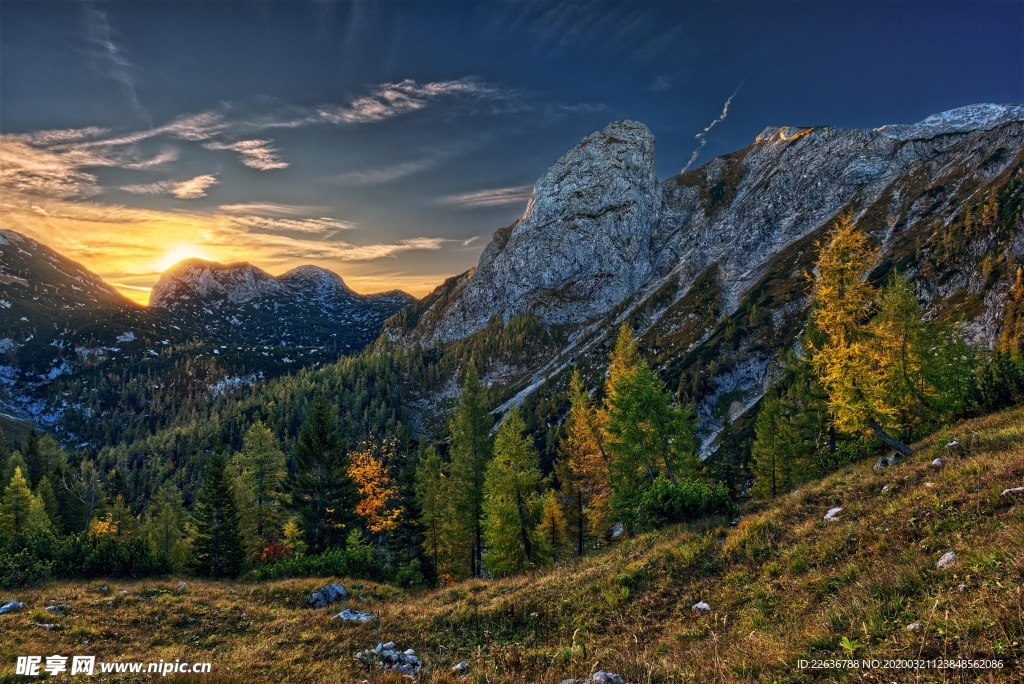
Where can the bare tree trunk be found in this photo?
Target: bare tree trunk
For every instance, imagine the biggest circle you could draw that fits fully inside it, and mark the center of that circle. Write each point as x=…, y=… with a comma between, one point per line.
x=889, y=440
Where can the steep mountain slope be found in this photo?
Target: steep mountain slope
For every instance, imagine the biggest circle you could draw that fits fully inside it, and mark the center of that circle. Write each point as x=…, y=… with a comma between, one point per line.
x=710, y=265
x=784, y=585
x=306, y=307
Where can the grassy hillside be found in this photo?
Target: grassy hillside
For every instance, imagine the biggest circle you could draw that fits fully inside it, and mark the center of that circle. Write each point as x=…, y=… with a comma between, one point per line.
x=783, y=585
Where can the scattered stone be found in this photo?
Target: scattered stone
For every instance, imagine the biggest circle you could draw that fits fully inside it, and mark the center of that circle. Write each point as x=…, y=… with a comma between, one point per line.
x=1015, y=490
x=123, y=592
x=461, y=668
x=353, y=616
x=602, y=677
x=103, y=590
x=327, y=594
x=701, y=607
x=929, y=484
x=915, y=627
x=183, y=586
x=832, y=513
x=885, y=489
x=46, y=625
x=735, y=521
x=58, y=608
x=947, y=560
x=961, y=588
x=953, y=443
x=886, y=461
x=937, y=463
x=390, y=658
x=11, y=606
x=617, y=530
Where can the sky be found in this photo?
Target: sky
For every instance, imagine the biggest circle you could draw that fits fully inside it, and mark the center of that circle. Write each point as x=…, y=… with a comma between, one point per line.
x=387, y=141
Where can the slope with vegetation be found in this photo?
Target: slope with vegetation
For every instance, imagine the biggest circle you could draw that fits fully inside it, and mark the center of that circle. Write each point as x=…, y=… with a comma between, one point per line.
x=783, y=585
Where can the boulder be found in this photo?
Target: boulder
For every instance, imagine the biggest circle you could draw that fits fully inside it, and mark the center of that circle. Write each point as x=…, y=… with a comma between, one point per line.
x=48, y=626
x=1018, y=491
x=937, y=463
x=886, y=461
x=461, y=668
x=832, y=513
x=354, y=616
x=701, y=607
x=947, y=560
x=11, y=606
x=58, y=608
x=326, y=595
x=389, y=657
x=602, y=677
x=915, y=627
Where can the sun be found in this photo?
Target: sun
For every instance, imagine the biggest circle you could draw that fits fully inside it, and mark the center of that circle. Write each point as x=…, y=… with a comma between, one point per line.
x=180, y=253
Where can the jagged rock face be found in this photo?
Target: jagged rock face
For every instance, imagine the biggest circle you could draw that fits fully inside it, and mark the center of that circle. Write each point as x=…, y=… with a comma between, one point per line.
x=581, y=247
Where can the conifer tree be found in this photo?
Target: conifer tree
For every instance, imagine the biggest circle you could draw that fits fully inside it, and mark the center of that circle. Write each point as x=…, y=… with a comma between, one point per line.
x=21, y=512
x=166, y=525
x=512, y=505
x=772, y=453
x=377, y=491
x=847, y=358
x=553, y=528
x=218, y=550
x=322, y=494
x=648, y=434
x=582, y=469
x=470, y=453
x=434, y=501
x=49, y=500
x=260, y=471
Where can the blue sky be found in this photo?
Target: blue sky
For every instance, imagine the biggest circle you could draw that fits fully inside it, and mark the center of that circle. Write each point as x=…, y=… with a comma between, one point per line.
x=388, y=140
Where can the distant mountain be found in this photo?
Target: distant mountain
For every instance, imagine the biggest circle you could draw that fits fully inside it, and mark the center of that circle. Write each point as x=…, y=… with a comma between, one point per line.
x=62, y=327
x=306, y=307
x=710, y=265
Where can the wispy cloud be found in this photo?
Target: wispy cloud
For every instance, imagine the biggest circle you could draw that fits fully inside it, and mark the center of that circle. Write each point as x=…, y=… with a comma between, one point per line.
x=496, y=197
x=702, y=136
x=271, y=209
x=383, y=174
x=157, y=188
x=256, y=154
x=394, y=99
x=194, y=187
x=660, y=84
x=313, y=226
x=101, y=37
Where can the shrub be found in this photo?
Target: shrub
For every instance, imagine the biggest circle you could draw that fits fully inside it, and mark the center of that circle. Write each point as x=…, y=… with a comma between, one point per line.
x=664, y=503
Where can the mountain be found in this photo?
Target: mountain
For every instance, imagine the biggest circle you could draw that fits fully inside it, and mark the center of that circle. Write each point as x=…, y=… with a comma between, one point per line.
x=72, y=347
x=710, y=264
x=305, y=307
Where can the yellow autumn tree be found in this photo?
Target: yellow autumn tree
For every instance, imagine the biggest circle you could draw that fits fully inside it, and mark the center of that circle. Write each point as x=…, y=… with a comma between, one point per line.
x=854, y=360
x=376, y=489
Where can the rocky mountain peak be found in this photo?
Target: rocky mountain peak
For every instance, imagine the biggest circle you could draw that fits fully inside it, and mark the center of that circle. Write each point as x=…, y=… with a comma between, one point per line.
x=982, y=116
x=315, y=280
x=582, y=245
x=198, y=279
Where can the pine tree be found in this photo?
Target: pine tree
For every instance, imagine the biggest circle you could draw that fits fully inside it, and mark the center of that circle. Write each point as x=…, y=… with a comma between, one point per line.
x=470, y=453
x=847, y=358
x=648, y=434
x=773, y=450
x=434, y=501
x=512, y=506
x=218, y=550
x=553, y=528
x=582, y=469
x=166, y=526
x=49, y=499
x=21, y=512
x=260, y=471
x=322, y=494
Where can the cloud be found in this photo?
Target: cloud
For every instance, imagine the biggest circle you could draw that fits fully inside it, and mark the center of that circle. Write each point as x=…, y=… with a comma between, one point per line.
x=702, y=136
x=256, y=154
x=496, y=197
x=660, y=84
x=194, y=187
x=270, y=209
x=316, y=226
x=395, y=99
x=157, y=188
x=101, y=37
x=39, y=210
x=470, y=241
x=27, y=170
x=67, y=135
x=384, y=174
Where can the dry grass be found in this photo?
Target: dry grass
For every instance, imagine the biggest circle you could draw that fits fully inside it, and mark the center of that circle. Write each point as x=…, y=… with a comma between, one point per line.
x=783, y=585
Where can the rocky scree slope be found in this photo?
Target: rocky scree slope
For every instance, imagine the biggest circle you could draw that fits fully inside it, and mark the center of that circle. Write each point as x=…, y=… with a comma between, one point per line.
x=711, y=265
